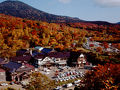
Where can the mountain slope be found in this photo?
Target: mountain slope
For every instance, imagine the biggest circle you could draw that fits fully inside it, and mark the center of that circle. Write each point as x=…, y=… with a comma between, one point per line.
x=19, y=9
x=22, y=10
x=118, y=23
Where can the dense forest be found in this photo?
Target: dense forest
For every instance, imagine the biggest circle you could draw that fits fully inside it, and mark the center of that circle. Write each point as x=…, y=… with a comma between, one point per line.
x=100, y=32
x=17, y=33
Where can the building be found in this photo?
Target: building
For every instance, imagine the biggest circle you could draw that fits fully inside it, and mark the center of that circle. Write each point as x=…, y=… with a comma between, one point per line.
x=17, y=71
x=81, y=61
x=37, y=60
x=52, y=58
x=21, y=59
x=43, y=50
x=2, y=75
x=59, y=58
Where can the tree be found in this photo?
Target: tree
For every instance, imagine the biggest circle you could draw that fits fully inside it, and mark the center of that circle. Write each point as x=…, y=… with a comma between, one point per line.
x=118, y=46
x=105, y=45
x=40, y=82
x=9, y=88
x=99, y=49
x=105, y=77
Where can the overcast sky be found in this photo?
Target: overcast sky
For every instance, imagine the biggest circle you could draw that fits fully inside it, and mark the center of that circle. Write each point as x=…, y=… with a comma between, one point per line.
x=91, y=10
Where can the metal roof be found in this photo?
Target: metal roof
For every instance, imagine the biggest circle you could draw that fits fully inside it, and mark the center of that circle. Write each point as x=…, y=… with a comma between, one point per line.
x=12, y=66
x=21, y=58
x=46, y=50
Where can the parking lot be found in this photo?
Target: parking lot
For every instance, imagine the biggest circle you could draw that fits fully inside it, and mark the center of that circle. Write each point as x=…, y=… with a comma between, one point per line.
x=64, y=74
x=59, y=74
x=55, y=73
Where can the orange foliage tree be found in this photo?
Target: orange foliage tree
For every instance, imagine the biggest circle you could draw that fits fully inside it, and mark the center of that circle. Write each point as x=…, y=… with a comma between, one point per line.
x=105, y=77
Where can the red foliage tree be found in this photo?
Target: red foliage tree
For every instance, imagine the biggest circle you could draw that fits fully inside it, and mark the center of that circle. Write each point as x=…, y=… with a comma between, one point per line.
x=105, y=77
x=105, y=45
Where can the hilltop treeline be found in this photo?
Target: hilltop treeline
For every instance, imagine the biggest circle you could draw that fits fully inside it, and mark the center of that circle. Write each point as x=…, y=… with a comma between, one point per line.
x=100, y=32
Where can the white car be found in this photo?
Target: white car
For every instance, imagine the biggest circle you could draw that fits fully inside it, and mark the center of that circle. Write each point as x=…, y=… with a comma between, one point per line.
x=61, y=79
x=69, y=84
x=47, y=72
x=4, y=84
x=78, y=81
x=58, y=88
x=57, y=79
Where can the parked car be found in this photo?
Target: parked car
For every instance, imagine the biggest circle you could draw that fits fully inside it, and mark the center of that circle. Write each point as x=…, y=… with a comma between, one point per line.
x=78, y=81
x=11, y=83
x=4, y=84
x=69, y=85
x=58, y=88
x=77, y=84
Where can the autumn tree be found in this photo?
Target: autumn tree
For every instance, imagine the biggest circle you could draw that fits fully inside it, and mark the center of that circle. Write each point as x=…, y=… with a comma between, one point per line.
x=105, y=45
x=40, y=82
x=99, y=49
x=105, y=77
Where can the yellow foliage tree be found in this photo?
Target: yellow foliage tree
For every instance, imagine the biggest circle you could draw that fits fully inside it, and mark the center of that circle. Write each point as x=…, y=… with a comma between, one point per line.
x=40, y=82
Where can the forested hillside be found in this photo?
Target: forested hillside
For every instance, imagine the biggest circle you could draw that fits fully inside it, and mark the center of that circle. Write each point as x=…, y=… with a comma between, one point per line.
x=17, y=33
x=107, y=33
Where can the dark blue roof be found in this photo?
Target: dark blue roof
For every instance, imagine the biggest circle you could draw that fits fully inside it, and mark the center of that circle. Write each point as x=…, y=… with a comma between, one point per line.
x=34, y=53
x=46, y=50
x=12, y=66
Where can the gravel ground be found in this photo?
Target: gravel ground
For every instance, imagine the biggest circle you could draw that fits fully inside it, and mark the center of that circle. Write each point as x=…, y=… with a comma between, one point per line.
x=17, y=87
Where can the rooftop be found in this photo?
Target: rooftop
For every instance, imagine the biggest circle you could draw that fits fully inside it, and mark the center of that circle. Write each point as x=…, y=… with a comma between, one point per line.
x=2, y=70
x=21, y=58
x=59, y=54
x=12, y=66
x=81, y=56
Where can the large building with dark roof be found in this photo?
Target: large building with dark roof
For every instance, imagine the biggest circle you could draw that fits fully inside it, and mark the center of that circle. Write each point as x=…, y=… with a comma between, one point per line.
x=16, y=71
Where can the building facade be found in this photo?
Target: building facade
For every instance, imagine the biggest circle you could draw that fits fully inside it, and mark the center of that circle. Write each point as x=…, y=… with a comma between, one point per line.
x=81, y=61
x=2, y=75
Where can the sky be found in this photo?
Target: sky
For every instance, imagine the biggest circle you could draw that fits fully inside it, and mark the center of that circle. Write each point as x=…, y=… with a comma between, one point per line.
x=90, y=10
